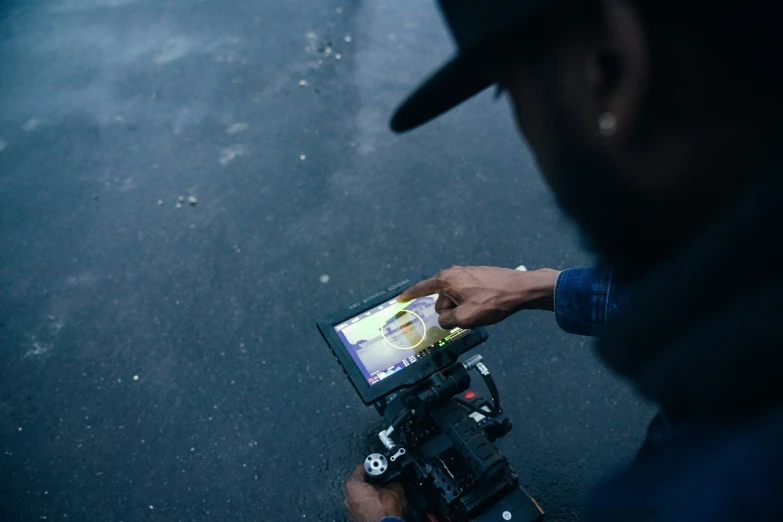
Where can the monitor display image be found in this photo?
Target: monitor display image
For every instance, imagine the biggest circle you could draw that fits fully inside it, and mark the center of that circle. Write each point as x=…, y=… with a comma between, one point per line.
x=392, y=336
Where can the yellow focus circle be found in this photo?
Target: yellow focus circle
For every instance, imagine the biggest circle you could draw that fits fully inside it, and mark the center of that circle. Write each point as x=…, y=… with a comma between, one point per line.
x=415, y=345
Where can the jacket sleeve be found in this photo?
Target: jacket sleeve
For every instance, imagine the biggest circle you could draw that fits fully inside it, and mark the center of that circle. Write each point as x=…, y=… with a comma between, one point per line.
x=584, y=298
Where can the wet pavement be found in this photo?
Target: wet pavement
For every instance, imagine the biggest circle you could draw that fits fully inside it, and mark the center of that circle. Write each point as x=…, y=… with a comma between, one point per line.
x=159, y=359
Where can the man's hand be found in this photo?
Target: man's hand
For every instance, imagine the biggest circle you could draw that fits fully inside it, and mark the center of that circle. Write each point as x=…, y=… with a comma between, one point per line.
x=471, y=296
x=367, y=503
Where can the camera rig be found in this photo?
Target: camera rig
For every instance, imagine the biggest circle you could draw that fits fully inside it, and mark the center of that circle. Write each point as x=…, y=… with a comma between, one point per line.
x=439, y=445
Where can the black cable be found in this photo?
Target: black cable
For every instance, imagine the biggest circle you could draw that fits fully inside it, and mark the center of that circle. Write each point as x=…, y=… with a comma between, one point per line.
x=400, y=418
x=493, y=390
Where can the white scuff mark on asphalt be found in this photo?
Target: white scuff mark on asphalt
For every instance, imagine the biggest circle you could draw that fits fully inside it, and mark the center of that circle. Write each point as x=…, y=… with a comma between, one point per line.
x=128, y=184
x=228, y=154
x=237, y=128
x=57, y=324
x=174, y=49
x=31, y=124
x=324, y=278
x=85, y=279
x=68, y=6
x=38, y=349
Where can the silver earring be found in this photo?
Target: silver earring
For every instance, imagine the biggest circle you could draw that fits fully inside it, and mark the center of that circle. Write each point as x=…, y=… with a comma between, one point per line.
x=607, y=124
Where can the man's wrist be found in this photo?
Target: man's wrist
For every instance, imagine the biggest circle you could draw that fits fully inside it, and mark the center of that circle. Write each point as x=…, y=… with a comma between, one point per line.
x=537, y=289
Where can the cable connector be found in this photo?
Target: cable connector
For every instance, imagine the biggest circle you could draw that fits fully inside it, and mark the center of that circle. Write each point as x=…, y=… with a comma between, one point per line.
x=386, y=439
x=473, y=362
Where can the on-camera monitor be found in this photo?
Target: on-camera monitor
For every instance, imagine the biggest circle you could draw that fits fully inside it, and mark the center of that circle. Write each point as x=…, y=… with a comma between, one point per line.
x=392, y=336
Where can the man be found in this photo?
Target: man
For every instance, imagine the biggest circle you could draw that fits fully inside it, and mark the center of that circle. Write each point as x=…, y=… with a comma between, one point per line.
x=654, y=122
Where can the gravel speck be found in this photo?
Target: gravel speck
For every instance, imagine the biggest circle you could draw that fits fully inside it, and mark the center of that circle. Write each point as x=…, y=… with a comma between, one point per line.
x=302, y=83
x=135, y=377
x=348, y=38
x=160, y=202
x=181, y=199
x=302, y=157
x=324, y=278
x=192, y=200
x=338, y=56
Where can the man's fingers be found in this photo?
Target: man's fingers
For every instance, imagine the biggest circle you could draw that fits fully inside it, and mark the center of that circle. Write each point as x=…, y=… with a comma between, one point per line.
x=358, y=473
x=444, y=303
x=447, y=319
x=455, y=317
x=396, y=487
x=423, y=288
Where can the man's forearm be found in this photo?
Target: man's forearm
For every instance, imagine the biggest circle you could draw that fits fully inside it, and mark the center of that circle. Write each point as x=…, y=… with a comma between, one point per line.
x=536, y=290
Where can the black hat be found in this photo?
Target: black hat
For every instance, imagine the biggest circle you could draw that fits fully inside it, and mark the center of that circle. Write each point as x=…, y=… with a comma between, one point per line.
x=475, y=25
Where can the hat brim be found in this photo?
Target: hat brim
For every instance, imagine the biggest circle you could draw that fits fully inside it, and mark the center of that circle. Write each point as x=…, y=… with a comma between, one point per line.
x=454, y=83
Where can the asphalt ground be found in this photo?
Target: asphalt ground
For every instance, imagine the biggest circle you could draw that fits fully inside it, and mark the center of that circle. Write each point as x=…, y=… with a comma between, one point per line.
x=161, y=362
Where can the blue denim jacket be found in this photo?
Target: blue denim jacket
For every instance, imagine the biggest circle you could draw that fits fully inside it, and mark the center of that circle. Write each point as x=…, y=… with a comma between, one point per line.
x=584, y=298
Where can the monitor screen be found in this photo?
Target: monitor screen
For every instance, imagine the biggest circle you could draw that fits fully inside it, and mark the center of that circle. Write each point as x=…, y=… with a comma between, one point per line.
x=392, y=336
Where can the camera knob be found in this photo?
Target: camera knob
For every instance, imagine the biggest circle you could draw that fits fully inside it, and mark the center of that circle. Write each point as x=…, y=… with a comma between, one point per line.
x=375, y=466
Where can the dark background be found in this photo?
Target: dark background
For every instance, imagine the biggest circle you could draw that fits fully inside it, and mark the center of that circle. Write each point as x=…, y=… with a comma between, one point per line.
x=161, y=363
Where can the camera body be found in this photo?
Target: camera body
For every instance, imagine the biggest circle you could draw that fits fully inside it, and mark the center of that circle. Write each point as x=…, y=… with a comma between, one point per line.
x=439, y=440
x=445, y=457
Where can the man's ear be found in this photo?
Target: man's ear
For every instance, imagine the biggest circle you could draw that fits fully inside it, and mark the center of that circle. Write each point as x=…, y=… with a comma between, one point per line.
x=619, y=68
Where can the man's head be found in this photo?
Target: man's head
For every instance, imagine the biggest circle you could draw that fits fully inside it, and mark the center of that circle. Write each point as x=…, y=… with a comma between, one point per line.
x=644, y=116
